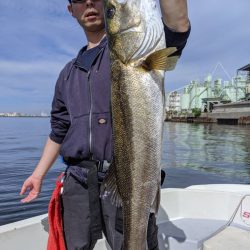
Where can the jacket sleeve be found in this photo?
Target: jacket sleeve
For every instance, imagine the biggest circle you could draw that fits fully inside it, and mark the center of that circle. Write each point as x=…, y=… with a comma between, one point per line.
x=60, y=119
x=176, y=39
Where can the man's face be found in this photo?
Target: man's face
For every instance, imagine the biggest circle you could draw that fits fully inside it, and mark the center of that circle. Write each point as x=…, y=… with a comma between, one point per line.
x=89, y=14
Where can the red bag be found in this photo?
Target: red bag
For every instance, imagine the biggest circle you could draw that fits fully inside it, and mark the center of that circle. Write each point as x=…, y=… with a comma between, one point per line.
x=56, y=236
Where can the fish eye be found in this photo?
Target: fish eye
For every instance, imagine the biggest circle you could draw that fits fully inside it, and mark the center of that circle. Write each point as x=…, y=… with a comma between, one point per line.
x=111, y=12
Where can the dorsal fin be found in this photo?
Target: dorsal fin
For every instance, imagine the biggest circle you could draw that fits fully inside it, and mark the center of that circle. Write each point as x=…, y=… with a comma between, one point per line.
x=161, y=60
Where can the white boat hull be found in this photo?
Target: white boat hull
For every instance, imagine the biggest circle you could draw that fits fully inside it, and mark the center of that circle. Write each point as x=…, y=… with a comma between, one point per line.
x=189, y=219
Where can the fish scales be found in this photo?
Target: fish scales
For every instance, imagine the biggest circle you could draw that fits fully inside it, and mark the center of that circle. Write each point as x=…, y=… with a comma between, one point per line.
x=137, y=110
x=137, y=93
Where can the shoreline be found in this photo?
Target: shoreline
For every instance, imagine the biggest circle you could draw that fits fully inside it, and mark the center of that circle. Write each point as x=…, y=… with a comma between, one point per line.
x=211, y=118
x=25, y=116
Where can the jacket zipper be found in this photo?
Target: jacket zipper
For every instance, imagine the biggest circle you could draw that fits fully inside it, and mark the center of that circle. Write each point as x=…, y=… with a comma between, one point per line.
x=91, y=106
x=90, y=115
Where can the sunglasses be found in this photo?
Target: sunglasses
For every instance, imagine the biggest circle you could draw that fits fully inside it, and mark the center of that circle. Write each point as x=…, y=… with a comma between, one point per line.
x=78, y=1
x=81, y=1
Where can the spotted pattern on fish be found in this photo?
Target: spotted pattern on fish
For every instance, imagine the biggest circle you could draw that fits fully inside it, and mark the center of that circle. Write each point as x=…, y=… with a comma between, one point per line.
x=137, y=112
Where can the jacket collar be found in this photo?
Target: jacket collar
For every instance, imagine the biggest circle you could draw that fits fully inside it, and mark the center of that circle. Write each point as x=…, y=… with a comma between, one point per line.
x=79, y=59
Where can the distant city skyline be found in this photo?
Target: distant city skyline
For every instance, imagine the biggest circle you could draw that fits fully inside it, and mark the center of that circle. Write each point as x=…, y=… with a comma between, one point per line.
x=21, y=114
x=39, y=37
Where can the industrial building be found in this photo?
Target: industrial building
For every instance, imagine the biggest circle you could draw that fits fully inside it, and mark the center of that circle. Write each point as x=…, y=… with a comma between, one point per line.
x=245, y=72
x=205, y=95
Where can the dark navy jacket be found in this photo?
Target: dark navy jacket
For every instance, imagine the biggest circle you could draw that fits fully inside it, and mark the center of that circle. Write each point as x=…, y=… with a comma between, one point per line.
x=81, y=108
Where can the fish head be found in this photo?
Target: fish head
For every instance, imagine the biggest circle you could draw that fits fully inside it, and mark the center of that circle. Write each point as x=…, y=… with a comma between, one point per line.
x=121, y=15
x=123, y=25
x=127, y=23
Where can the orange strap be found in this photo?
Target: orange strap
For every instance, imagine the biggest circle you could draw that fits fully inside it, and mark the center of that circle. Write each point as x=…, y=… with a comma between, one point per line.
x=56, y=236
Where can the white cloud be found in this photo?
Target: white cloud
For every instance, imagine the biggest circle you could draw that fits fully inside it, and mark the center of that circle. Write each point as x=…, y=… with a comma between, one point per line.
x=30, y=68
x=39, y=37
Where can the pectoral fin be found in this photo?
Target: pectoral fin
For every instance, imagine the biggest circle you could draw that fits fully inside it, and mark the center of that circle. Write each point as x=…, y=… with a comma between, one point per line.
x=161, y=60
x=109, y=188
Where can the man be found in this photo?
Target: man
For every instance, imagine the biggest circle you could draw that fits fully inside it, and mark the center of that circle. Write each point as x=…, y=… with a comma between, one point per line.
x=82, y=132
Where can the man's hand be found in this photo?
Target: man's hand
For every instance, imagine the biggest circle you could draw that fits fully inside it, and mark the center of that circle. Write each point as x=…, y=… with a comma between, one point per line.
x=33, y=184
x=175, y=14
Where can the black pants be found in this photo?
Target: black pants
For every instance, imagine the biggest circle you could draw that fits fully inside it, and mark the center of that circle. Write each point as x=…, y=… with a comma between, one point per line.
x=76, y=219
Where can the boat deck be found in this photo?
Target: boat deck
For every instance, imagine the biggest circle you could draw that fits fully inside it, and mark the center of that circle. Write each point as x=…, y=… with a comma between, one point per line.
x=189, y=234
x=188, y=219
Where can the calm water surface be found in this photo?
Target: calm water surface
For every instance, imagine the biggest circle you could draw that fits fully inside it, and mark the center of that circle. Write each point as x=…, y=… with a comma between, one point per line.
x=192, y=154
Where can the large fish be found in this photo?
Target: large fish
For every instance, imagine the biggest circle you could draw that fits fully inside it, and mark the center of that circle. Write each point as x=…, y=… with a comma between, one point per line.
x=138, y=60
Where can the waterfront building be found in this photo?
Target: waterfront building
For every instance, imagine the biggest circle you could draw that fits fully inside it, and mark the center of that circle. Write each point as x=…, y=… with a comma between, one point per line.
x=185, y=99
x=232, y=113
x=173, y=102
x=248, y=92
x=204, y=95
x=244, y=72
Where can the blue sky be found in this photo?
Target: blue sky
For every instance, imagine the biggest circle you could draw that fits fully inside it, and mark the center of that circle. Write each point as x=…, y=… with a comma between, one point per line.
x=39, y=37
